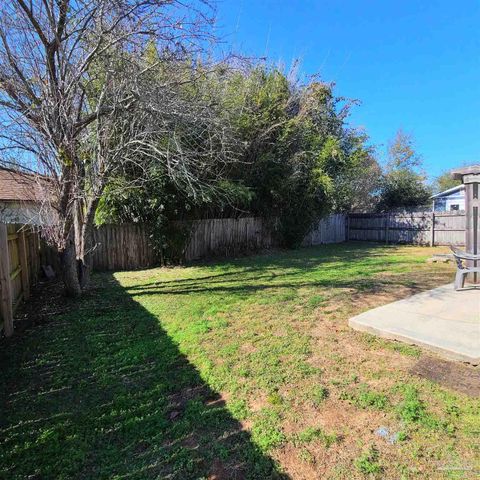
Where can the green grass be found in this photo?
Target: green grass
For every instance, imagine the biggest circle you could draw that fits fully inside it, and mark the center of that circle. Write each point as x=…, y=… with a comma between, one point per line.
x=311, y=434
x=219, y=369
x=366, y=398
x=368, y=463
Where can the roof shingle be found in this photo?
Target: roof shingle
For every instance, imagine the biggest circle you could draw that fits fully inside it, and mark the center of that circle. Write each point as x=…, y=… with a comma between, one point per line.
x=19, y=186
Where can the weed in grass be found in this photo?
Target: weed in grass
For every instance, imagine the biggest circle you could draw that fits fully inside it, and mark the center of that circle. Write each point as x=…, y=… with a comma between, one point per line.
x=317, y=395
x=244, y=371
x=266, y=429
x=404, y=472
x=413, y=410
x=348, y=380
x=309, y=434
x=452, y=410
x=368, y=463
x=275, y=398
x=312, y=433
x=287, y=296
x=316, y=300
x=376, y=343
x=408, y=350
x=230, y=349
x=306, y=370
x=239, y=409
x=366, y=398
x=306, y=456
x=219, y=323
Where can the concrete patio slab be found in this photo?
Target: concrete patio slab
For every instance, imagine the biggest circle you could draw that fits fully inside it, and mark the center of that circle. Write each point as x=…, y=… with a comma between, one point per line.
x=442, y=320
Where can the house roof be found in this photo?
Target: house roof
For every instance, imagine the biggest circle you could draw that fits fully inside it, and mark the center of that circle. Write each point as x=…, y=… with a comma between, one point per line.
x=19, y=186
x=456, y=189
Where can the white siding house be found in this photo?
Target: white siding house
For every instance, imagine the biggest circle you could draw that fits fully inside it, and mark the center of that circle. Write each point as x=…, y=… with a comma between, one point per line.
x=22, y=198
x=450, y=200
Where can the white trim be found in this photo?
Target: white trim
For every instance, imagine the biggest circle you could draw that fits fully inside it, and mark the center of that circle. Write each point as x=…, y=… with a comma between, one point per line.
x=458, y=188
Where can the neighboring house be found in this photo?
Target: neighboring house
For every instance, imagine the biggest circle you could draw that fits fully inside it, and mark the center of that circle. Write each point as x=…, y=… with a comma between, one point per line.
x=22, y=198
x=450, y=200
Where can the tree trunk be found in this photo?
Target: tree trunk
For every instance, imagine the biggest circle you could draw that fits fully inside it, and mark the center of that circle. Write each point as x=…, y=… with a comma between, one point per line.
x=69, y=269
x=85, y=241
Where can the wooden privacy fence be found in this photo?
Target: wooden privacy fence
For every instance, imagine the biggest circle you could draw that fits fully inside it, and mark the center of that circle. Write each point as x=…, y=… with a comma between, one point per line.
x=228, y=236
x=122, y=247
x=20, y=260
x=421, y=228
x=127, y=246
x=330, y=229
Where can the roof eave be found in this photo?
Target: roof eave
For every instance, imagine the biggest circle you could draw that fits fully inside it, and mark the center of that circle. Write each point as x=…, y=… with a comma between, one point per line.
x=449, y=191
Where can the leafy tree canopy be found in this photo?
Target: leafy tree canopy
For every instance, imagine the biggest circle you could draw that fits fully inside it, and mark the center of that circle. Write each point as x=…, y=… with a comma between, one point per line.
x=296, y=158
x=404, y=182
x=444, y=182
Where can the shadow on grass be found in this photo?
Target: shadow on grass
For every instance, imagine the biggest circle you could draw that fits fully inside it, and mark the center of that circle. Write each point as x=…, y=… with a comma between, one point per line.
x=297, y=261
x=345, y=266
x=358, y=286
x=102, y=392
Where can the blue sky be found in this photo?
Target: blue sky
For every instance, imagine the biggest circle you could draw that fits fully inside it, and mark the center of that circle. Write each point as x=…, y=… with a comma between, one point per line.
x=412, y=64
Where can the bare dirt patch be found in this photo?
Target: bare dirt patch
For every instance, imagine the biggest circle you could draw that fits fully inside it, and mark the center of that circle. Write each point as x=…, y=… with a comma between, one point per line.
x=453, y=375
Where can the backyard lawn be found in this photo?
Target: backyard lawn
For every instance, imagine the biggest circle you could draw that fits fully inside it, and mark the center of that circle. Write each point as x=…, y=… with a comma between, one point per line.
x=238, y=369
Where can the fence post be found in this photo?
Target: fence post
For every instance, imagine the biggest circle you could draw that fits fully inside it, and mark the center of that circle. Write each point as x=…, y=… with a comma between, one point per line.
x=387, y=226
x=432, y=236
x=347, y=227
x=22, y=256
x=5, y=286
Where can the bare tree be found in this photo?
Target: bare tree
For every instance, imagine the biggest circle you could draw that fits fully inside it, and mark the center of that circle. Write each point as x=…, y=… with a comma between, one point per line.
x=78, y=103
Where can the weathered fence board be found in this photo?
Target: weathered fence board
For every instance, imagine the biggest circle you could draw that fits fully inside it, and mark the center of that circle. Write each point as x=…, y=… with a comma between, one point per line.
x=227, y=236
x=122, y=247
x=449, y=228
x=421, y=228
x=6, y=304
x=331, y=229
x=19, y=269
x=127, y=246
x=367, y=227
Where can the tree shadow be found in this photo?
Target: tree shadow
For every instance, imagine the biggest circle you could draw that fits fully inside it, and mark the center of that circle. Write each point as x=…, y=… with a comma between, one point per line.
x=101, y=391
x=293, y=265
x=329, y=267
x=244, y=289
x=298, y=261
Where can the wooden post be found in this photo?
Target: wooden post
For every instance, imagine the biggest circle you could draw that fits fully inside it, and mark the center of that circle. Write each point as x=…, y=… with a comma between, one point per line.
x=387, y=226
x=5, y=286
x=22, y=255
x=470, y=177
x=432, y=230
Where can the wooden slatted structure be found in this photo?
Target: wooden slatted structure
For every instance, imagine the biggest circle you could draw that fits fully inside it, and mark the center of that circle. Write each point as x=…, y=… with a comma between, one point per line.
x=19, y=269
x=227, y=236
x=420, y=228
x=122, y=247
x=331, y=229
x=127, y=246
